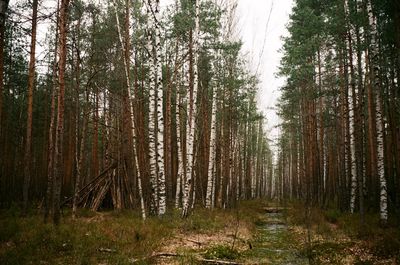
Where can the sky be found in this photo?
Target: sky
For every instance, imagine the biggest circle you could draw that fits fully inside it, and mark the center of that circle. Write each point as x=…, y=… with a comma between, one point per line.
x=262, y=41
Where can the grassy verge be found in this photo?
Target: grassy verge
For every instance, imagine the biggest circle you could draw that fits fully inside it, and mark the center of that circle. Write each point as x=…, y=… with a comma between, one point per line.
x=339, y=238
x=120, y=237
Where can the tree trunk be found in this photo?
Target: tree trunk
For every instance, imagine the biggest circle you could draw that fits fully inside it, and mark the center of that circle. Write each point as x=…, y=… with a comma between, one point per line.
x=3, y=11
x=126, y=59
x=374, y=77
x=31, y=84
x=50, y=151
x=212, y=150
x=152, y=111
x=192, y=109
x=162, y=207
x=79, y=149
x=58, y=161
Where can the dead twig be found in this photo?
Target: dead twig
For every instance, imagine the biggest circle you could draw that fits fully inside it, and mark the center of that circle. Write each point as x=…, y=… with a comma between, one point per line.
x=200, y=259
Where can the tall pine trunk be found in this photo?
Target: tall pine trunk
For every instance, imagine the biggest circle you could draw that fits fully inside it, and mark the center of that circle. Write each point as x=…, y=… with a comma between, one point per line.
x=58, y=161
x=31, y=84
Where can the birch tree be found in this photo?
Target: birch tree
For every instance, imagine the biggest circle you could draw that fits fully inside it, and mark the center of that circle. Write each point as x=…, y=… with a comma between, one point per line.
x=374, y=77
x=152, y=108
x=192, y=112
x=159, y=112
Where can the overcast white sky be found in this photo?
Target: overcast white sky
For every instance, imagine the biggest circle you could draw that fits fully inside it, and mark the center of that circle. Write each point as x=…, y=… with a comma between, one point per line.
x=253, y=17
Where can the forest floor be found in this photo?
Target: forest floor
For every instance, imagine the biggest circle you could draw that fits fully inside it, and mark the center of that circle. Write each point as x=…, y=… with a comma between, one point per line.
x=257, y=232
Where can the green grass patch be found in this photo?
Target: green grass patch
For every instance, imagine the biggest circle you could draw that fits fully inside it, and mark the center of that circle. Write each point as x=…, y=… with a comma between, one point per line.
x=223, y=252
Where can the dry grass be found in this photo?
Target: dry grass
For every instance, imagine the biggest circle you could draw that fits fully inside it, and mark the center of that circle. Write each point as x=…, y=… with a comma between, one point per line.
x=338, y=238
x=121, y=237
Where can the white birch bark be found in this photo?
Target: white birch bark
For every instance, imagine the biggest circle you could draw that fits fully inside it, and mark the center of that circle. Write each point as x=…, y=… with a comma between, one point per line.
x=211, y=164
x=162, y=207
x=180, y=170
x=192, y=109
x=152, y=109
x=379, y=116
x=353, y=171
x=180, y=152
x=352, y=153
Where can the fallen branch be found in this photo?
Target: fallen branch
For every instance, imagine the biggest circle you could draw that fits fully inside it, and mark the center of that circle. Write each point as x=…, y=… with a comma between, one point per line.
x=200, y=259
x=274, y=209
x=194, y=241
x=156, y=255
x=159, y=255
x=107, y=250
x=216, y=261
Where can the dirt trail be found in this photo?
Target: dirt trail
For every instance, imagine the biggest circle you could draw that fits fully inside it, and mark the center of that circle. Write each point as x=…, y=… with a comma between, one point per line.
x=274, y=243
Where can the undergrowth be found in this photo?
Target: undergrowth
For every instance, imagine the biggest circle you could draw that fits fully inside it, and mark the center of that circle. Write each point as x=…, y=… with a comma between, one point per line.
x=223, y=252
x=340, y=236
x=114, y=237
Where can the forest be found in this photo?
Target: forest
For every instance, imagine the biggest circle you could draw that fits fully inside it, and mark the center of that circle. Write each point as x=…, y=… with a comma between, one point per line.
x=126, y=125
x=133, y=110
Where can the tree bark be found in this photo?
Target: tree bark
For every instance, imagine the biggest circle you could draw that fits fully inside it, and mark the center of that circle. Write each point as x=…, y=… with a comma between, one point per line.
x=31, y=84
x=162, y=207
x=192, y=110
x=58, y=161
x=3, y=11
x=375, y=83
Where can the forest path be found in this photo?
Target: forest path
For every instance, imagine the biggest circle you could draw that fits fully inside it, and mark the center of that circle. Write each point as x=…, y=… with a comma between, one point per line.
x=274, y=242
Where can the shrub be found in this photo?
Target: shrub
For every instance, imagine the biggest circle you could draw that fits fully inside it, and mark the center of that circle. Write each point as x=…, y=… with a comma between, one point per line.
x=332, y=216
x=221, y=252
x=8, y=229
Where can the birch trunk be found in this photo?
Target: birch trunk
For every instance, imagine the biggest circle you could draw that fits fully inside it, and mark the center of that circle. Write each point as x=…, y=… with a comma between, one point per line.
x=192, y=109
x=162, y=207
x=374, y=77
x=352, y=129
x=180, y=152
x=211, y=162
x=353, y=170
x=152, y=110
